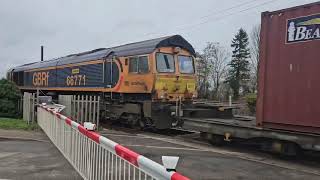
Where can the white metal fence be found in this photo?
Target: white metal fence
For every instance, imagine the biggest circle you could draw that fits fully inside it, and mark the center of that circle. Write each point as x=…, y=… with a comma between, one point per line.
x=82, y=108
x=95, y=156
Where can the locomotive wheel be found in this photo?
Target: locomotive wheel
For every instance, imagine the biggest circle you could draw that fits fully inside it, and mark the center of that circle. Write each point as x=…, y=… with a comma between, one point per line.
x=145, y=123
x=132, y=120
x=175, y=122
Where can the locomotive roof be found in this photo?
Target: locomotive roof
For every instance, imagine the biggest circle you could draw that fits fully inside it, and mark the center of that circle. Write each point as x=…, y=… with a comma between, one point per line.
x=143, y=47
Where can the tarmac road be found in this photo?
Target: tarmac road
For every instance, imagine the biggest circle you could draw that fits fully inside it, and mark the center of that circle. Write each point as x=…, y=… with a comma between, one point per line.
x=27, y=159
x=205, y=162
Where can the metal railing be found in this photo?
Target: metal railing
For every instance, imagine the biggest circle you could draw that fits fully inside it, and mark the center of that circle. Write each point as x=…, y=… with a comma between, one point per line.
x=95, y=156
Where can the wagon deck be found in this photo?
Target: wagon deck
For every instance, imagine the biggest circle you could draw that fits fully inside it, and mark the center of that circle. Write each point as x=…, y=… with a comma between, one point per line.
x=245, y=128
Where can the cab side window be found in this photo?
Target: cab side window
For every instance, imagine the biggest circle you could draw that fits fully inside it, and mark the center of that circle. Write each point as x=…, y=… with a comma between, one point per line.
x=143, y=64
x=138, y=64
x=133, y=64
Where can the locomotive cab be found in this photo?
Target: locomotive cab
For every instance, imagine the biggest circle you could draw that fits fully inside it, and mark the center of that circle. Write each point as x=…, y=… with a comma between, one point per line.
x=174, y=85
x=175, y=75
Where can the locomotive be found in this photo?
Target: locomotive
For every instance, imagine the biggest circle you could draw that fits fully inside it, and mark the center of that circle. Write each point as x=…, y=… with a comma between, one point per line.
x=145, y=83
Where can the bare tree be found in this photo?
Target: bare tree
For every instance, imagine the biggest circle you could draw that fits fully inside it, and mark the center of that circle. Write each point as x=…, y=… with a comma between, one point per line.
x=216, y=56
x=203, y=71
x=255, y=55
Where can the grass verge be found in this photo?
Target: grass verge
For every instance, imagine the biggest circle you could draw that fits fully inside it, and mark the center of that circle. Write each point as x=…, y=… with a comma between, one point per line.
x=17, y=124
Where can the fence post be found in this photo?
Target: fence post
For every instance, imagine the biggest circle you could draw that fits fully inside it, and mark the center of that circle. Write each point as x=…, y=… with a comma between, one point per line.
x=90, y=110
x=98, y=111
x=94, y=109
x=29, y=107
x=78, y=107
x=86, y=116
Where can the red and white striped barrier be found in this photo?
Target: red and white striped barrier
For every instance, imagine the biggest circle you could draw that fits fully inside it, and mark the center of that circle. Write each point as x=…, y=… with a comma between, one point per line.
x=106, y=146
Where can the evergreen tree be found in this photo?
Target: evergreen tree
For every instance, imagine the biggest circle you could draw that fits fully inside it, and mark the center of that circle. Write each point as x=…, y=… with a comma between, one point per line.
x=239, y=65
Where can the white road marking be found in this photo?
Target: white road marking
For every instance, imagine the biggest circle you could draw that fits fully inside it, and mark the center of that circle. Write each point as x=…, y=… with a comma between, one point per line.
x=162, y=147
x=7, y=154
x=122, y=135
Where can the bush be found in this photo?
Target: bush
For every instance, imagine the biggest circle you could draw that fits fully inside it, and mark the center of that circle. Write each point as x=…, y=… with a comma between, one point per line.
x=251, y=100
x=9, y=99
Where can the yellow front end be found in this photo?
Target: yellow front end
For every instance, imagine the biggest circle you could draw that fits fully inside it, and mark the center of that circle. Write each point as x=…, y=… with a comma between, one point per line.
x=171, y=88
x=175, y=78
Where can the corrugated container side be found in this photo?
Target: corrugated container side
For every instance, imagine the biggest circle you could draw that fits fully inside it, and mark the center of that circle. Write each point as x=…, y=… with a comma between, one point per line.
x=289, y=69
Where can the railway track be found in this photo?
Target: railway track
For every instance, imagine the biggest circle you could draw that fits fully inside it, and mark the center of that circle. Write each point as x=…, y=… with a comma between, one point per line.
x=167, y=132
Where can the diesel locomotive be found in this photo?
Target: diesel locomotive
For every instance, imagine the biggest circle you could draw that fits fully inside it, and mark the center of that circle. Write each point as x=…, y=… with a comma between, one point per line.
x=145, y=83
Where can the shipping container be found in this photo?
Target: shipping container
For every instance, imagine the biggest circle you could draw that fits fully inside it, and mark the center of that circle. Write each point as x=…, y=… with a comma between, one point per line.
x=289, y=70
x=288, y=113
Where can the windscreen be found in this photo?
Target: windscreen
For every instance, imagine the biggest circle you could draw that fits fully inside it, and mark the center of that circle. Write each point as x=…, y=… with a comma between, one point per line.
x=165, y=62
x=186, y=64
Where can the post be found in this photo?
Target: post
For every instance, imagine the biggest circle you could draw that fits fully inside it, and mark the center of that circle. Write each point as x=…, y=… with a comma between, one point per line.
x=230, y=100
x=111, y=75
x=37, y=96
x=41, y=53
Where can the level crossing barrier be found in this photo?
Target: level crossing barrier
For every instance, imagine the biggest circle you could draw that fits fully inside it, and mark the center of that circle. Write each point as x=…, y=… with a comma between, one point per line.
x=95, y=156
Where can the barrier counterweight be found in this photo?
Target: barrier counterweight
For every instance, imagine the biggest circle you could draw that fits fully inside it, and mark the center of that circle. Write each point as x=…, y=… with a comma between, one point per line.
x=95, y=157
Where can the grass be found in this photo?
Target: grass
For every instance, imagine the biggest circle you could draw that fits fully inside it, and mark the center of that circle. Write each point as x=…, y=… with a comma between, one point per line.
x=17, y=124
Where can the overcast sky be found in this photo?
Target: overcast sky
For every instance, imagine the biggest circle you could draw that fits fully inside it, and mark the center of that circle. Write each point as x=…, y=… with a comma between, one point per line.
x=71, y=26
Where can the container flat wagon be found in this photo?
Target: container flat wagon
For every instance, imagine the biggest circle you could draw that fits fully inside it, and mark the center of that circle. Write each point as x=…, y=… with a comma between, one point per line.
x=288, y=113
x=280, y=141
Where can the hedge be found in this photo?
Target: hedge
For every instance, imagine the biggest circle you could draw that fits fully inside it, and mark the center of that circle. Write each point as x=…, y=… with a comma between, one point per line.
x=9, y=99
